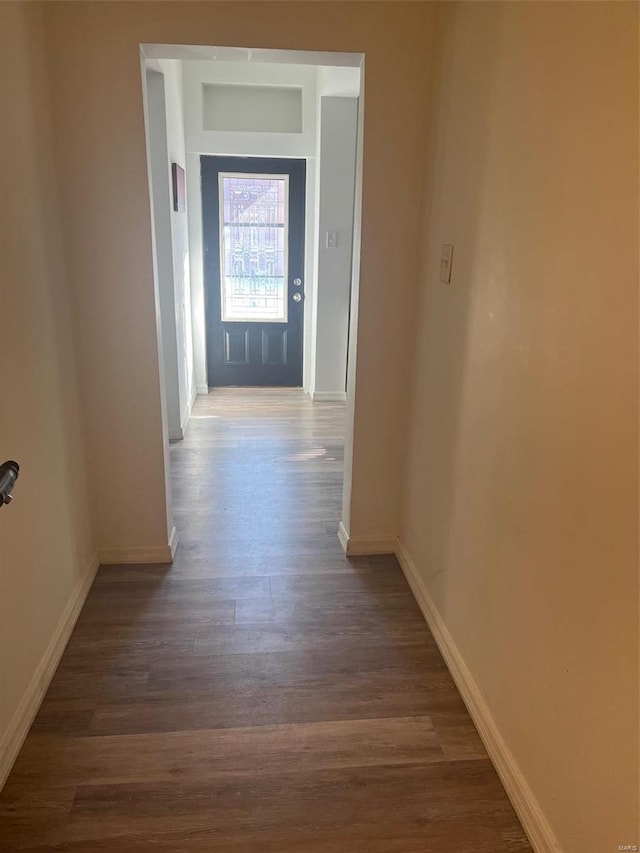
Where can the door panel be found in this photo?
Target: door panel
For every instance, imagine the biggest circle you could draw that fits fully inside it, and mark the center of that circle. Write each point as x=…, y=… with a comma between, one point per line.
x=253, y=228
x=236, y=346
x=274, y=346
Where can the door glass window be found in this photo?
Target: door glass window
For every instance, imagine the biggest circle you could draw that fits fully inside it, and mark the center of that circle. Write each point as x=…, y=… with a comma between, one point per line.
x=253, y=247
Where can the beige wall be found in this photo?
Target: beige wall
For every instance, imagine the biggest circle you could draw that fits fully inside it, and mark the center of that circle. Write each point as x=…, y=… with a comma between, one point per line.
x=521, y=499
x=95, y=74
x=45, y=540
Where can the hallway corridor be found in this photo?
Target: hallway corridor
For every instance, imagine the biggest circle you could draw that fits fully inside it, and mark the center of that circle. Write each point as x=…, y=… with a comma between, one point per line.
x=265, y=694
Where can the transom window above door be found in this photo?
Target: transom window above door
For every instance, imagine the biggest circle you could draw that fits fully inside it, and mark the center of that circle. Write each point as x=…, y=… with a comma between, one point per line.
x=253, y=247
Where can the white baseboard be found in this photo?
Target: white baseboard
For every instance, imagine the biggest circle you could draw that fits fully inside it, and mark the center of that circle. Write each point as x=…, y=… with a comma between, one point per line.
x=534, y=823
x=363, y=546
x=179, y=435
x=34, y=694
x=138, y=555
x=202, y=389
x=328, y=396
x=343, y=536
x=192, y=400
x=173, y=542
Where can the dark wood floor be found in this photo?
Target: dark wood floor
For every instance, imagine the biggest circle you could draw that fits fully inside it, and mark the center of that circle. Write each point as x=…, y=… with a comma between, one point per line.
x=263, y=695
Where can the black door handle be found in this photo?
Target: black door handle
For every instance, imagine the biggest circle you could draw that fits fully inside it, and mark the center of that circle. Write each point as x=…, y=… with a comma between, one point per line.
x=8, y=475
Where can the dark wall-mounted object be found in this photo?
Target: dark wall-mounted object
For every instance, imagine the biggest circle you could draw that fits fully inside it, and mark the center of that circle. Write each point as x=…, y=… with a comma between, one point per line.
x=8, y=475
x=179, y=188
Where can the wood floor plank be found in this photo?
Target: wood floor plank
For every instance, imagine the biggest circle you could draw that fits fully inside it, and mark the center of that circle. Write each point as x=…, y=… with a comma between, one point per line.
x=462, y=794
x=364, y=583
x=297, y=636
x=221, y=753
x=260, y=706
x=265, y=694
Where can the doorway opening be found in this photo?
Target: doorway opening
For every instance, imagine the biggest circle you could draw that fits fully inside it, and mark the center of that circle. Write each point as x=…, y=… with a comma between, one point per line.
x=257, y=274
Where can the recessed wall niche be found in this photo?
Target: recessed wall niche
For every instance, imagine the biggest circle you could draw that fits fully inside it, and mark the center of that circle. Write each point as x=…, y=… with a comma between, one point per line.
x=257, y=109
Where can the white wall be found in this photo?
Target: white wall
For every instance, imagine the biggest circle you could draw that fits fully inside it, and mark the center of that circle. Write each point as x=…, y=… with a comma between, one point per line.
x=339, y=81
x=336, y=186
x=263, y=144
x=167, y=146
x=176, y=153
x=161, y=202
x=230, y=107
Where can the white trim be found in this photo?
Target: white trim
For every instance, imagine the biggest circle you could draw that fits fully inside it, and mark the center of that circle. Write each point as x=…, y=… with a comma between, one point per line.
x=363, y=546
x=328, y=396
x=173, y=542
x=176, y=434
x=528, y=809
x=187, y=417
x=139, y=555
x=202, y=389
x=250, y=54
x=34, y=694
x=343, y=536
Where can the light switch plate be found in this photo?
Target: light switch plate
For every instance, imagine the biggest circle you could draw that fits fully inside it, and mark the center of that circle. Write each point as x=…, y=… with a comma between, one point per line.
x=332, y=239
x=446, y=257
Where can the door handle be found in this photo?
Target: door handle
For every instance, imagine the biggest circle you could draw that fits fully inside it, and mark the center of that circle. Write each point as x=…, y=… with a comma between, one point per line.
x=297, y=282
x=8, y=475
x=297, y=297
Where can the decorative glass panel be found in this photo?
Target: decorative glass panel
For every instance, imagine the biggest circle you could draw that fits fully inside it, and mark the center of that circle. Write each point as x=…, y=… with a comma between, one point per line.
x=253, y=247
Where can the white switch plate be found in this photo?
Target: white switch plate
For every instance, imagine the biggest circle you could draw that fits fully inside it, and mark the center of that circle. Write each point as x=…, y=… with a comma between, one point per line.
x=446, y=257
x=332, y=239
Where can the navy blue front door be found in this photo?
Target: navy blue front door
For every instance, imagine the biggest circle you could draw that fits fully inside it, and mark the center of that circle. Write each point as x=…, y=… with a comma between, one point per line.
x=253, y=228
